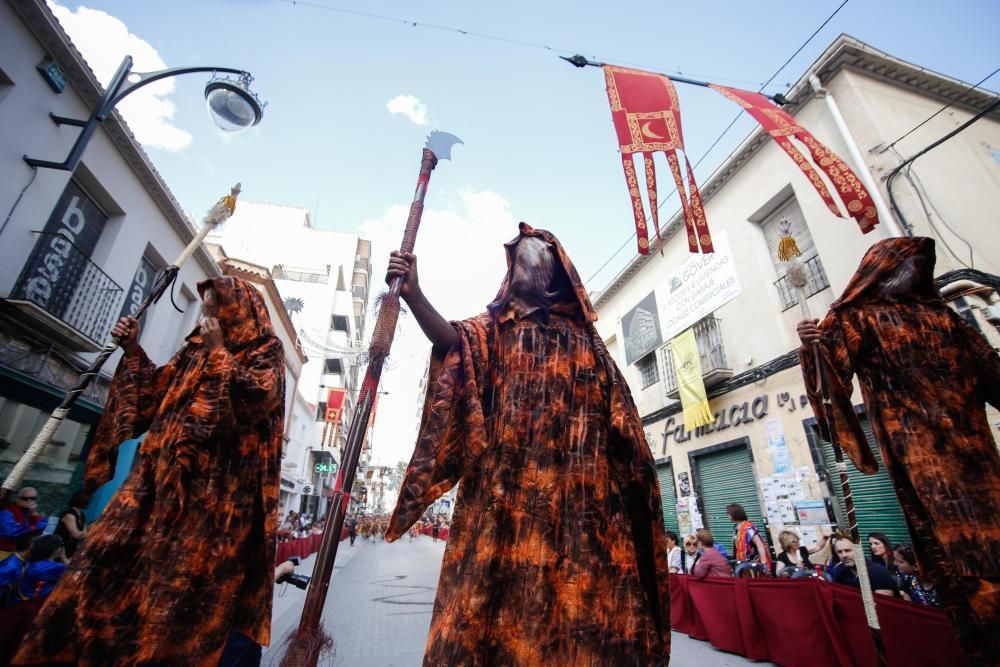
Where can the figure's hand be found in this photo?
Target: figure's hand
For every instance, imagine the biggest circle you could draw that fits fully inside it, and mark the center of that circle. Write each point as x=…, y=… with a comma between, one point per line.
x=809, y=332
x=126, y=330
x=403, y=264
x=211, y=333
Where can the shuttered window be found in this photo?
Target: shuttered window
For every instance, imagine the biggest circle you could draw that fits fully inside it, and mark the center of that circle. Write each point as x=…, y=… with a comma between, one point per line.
x=668, y=496
x=727, y=477
x=791, y=212
x=875, y=502
x=649, y=370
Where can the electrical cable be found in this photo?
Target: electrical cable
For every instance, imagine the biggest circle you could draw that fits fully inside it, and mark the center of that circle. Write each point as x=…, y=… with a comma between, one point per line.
x=947, y=106
x=726, y=130
x=474, y=34
x=895, y=172
x=34, y=173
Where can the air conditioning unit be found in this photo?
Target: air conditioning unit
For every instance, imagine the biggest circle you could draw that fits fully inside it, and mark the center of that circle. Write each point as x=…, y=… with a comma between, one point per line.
x=307, y=490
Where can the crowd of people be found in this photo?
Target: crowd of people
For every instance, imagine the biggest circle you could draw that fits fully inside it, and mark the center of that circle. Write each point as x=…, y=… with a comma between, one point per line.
x=298, y=525
x=892, y=569
x=31, y=561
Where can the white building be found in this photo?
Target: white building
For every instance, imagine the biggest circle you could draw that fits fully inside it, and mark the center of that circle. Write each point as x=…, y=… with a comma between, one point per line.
x=323, y=278
x=763, y=450
x=58, y=300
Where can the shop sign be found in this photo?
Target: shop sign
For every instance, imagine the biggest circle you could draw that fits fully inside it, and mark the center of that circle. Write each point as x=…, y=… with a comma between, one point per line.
x=735, y=414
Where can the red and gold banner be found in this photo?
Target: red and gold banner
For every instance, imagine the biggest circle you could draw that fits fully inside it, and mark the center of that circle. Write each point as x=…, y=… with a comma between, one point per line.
x=647, y=119
x=335, y=404
x=781, y=126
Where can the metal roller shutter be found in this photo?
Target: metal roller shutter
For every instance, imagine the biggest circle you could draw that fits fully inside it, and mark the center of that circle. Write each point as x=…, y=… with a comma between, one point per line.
x=668, y=496
x=875, y=502
x=727, y=477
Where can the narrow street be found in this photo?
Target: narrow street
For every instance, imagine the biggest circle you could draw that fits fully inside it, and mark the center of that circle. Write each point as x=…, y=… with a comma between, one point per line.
x=379, y=608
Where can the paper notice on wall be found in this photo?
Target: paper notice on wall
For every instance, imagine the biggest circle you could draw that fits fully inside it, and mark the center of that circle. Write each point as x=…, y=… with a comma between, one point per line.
x=811, y=512
x=683, y=517
x=777, y=446
x=786, y=509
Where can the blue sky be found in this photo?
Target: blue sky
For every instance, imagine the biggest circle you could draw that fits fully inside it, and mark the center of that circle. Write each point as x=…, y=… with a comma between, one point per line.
x=539, y=141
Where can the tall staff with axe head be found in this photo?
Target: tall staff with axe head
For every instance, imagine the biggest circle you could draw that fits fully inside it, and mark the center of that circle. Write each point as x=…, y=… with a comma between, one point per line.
x=218, y=214
x=788, y=252
x=306, y=643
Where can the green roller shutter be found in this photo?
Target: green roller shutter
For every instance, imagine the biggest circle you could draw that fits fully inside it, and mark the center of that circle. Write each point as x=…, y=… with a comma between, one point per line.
x=668, y=497
x=875, y=502
x=727, y=477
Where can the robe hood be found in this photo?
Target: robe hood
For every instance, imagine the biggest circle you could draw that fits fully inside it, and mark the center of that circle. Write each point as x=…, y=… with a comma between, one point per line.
x=586, y=307
x=242, y=313
x=882, y=261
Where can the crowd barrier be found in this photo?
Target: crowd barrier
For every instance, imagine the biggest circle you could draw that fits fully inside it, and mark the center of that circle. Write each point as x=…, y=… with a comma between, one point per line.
x=442, y=532
x=302, y=547
x=807, y=623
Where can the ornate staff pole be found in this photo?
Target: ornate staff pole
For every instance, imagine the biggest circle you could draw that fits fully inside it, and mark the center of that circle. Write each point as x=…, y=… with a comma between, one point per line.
x=216, y=215
x=305, y=644
x=789, y=253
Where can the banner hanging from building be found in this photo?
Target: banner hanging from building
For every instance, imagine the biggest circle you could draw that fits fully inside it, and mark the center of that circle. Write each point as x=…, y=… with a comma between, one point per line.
x=782, y=127
x=641, y=329
x=335, y=404
x=647, y=119
x=687, y=366
x=700, y=286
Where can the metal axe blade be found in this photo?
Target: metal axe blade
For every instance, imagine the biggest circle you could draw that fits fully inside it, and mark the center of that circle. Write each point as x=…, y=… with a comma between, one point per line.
x=440, y=143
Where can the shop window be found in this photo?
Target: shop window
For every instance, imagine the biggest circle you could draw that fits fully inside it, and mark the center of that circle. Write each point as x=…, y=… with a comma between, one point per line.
x=649, y=370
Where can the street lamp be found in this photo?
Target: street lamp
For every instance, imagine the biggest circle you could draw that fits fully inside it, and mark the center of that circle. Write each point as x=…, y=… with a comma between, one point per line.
x=231, y=103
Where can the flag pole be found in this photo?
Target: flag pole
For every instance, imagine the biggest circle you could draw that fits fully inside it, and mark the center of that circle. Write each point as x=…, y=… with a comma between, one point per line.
x=304, y=645
x=222, y=210
x=582, y=61
x=788, y=252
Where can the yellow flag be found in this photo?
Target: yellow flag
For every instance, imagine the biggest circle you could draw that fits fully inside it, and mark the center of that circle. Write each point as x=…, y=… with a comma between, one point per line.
x=687, y=366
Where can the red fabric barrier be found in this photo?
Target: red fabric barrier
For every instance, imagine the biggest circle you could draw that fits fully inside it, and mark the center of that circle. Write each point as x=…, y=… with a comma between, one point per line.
x=302, y=547
x=807, y=623
x=14, y=624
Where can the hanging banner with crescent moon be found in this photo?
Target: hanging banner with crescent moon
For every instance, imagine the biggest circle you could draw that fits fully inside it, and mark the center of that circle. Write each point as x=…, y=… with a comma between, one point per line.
x=647, y=119
x=782, y=127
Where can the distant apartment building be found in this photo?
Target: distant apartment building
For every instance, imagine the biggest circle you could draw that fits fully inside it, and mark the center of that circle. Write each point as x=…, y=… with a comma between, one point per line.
x=763, y=449
x=323, y=278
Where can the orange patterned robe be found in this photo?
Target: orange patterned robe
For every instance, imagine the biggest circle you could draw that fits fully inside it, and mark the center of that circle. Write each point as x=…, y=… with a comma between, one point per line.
x=926, y=376
x=556, y=554
x=184, y=552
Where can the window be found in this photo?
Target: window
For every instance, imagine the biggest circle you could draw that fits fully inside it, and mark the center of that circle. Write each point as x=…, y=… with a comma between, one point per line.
x=141, y=287
x=790, y=212
x=333, y=366
x=338, y=323
x=6, y=85
x=321, y=411
x=649, y=370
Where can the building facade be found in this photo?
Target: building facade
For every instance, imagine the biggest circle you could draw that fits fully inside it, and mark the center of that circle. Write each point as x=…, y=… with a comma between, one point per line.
x=323, y=278
x=763, y=449
x=77, y=249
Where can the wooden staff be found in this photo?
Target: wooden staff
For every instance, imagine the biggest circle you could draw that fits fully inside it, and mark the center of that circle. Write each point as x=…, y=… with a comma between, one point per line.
x=796, y=273
x=216, y=215
x=303, y=646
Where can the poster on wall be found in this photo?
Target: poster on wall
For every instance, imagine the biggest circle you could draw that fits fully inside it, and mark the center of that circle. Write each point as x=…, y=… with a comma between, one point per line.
x=777, y=446
x=697, y=288
x=641, y=329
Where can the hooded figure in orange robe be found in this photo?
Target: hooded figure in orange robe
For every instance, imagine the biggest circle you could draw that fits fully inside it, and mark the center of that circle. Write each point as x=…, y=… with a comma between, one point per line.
x=184, y=552
x=926, y=376
x=556, y=554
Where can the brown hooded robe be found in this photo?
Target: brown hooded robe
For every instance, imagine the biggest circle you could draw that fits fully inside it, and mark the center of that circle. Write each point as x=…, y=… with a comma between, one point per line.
x=184, y=552
x=556, y=554
x=925, y=377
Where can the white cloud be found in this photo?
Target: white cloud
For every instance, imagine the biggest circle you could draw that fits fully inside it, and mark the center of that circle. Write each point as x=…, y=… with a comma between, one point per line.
x=409, y=106
x=104, y=40
x=461, y=264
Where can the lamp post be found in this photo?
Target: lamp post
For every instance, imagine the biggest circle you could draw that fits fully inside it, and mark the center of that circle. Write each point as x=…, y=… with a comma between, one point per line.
x=231, y=103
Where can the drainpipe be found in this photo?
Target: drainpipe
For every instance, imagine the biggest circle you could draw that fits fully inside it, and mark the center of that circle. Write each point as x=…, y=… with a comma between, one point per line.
x=860, y=166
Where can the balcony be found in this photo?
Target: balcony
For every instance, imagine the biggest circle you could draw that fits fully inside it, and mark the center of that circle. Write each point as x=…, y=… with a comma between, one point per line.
x=64, y=296
x=712, y=355
x=817, y=283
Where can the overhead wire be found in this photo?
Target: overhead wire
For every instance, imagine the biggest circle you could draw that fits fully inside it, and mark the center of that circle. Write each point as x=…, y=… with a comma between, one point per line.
x=942, y=109
x=726, y=130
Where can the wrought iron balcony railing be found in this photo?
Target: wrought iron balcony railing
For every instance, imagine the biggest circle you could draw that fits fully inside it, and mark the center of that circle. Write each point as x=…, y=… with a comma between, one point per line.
x=63, y=294
x=711, y=353
x=817, y=282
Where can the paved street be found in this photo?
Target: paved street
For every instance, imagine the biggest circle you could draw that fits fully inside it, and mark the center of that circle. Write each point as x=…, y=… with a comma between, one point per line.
x=379, y=608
